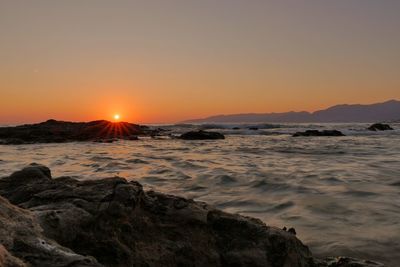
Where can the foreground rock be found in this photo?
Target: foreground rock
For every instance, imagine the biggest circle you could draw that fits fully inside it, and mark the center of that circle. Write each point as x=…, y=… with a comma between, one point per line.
x=22, y=243
x=201, y=135
x=319, y=133
x=53, y=131
x=380, y=127
x=119, y=224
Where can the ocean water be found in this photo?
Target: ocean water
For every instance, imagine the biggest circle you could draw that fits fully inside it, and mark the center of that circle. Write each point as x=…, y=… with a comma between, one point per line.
x=341, y=194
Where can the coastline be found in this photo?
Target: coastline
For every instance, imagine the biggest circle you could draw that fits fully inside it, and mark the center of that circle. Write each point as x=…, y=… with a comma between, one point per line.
x=117, y=223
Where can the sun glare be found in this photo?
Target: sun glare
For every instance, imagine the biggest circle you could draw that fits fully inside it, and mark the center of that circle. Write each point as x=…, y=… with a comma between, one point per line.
x=117, y=117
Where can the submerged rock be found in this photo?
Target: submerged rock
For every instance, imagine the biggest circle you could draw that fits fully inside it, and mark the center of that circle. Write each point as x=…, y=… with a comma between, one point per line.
x=201, y=135
x=319, y=133
x=53, y=131
x=120, y=224
x=380, y=127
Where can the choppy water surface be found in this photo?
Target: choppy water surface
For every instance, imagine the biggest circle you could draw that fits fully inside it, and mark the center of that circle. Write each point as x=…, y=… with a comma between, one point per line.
x=341, y=194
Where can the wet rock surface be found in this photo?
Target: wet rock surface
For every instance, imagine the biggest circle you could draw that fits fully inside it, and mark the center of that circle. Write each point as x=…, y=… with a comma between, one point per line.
x=117, y=223
x=380, y=127
x=201, y=135
x=53, y=131
x=319, y=133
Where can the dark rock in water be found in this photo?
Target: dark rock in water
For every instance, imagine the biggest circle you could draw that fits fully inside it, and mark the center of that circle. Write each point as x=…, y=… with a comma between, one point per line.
x=319, y=133
x=380, y=127
x=201, y=135
x=120, y=224
x=53, y=131
x=253, y=128
x=235, y=128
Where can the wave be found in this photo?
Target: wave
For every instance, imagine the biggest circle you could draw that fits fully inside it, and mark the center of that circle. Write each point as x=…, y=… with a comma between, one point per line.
x=351, y=129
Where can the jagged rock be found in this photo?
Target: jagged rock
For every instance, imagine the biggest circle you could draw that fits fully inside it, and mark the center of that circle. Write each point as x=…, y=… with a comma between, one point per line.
x=53, y=131
x=292, y=231
x=120, y=224
x=380, y=127
x=201, y=135
x=319, y=133
x=22, y=243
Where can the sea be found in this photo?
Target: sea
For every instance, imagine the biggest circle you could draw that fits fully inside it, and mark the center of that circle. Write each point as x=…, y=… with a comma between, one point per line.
x=341, y=194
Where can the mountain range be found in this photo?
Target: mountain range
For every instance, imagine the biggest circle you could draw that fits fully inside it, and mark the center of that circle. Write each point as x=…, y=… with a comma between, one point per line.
x=379, y=112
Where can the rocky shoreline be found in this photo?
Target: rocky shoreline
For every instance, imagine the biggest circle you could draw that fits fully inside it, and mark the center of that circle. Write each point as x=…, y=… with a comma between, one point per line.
x=113, y=222
x=102, y=131
x=53, y=131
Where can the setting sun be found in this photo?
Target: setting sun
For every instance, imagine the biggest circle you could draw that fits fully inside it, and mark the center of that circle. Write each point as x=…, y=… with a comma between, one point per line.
x=117, y=117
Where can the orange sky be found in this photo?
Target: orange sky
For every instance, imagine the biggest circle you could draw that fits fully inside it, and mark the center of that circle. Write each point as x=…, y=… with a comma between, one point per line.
x=168, y=61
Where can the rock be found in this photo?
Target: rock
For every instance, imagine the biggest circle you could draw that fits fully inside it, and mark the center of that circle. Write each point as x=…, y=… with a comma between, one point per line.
x=53, y=131
x=119, y=224
x=201, y=135
x=22, y=244
x=236, y=128
x=319, y=133
x=8, y=260
x=253, y=128
x=292, y=231
x=116, y=222
x=380, y=127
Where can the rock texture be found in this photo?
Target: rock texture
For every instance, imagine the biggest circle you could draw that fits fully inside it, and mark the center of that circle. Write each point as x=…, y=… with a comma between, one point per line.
x=319, y=133
x=8, y=260
x=201, y=135
x=380, y=127
x=22, y=243
x=119, y=224
x=53, y=131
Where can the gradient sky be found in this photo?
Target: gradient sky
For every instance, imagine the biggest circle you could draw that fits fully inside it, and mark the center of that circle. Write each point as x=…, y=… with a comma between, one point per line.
x=166, y=60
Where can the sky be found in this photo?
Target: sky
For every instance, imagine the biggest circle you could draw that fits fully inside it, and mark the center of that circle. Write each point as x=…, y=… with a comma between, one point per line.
x=171, y=60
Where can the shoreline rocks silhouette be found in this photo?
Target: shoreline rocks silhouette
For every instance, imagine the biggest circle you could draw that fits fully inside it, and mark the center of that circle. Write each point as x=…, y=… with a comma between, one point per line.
x=380, y=127
x=52, y=131
x=113, y=222
x=201, y=135
x=318, y=133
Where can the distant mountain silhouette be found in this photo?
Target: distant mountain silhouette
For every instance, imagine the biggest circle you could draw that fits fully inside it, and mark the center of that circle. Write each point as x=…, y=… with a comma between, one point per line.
x=386, y=111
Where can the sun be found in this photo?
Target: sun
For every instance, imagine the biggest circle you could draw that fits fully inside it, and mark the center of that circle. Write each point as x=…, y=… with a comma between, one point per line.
x=117, y=117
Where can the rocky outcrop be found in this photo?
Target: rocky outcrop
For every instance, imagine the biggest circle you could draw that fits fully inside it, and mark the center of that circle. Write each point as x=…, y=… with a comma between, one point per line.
x=53, y=131
x=22, y=243
x=380, y=127
x=319, y=133
x=119, y=224
x=202, y=135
